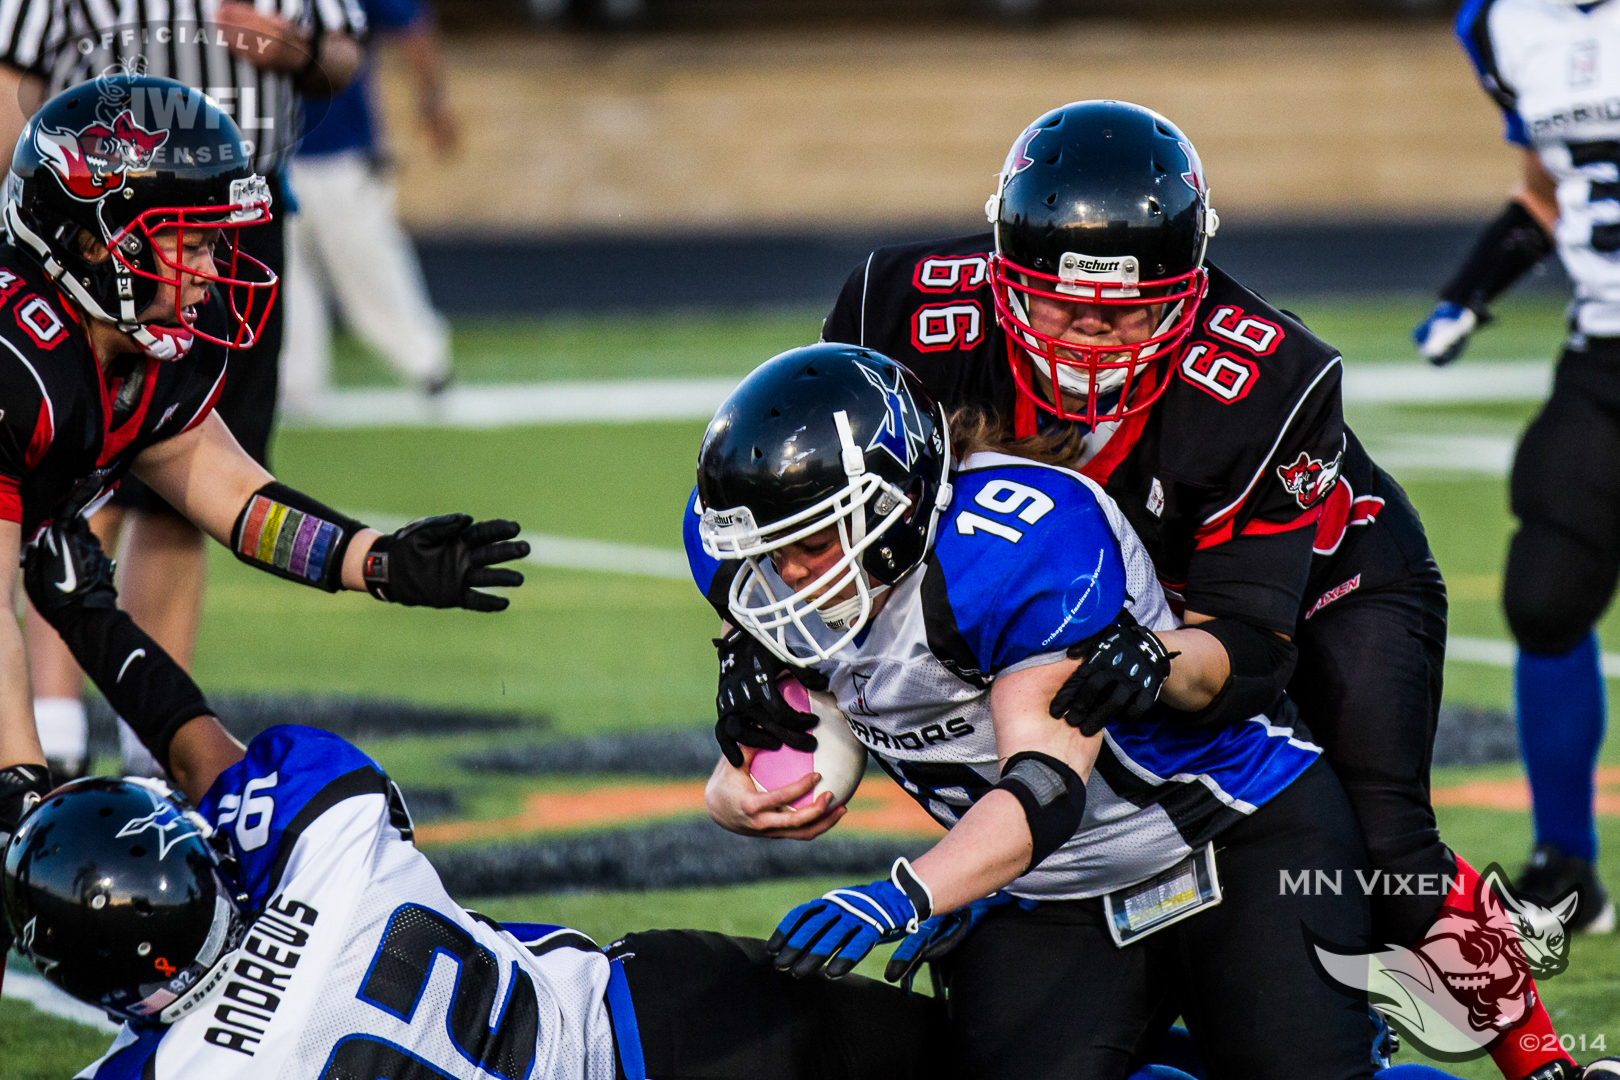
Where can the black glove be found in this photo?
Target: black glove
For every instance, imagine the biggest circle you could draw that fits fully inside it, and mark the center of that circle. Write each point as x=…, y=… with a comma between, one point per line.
x=442, y=561
x=22, y=787
x=1125, y=668
x=752, y=710
x=66, y=569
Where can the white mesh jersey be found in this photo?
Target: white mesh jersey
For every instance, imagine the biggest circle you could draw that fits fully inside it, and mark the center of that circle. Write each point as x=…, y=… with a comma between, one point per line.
x=360, y=965
x=1031, y=559
x=1554, y=70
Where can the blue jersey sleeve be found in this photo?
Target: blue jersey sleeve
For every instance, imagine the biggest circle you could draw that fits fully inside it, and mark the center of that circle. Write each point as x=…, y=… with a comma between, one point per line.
x=263, y=803
x=712, y=576
x=129, y=1057
x=1474, y=31
x=1025, y=565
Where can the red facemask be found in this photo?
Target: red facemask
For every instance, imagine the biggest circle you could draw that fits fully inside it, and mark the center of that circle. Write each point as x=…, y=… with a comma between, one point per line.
x=1090, y=372
x=247, y=285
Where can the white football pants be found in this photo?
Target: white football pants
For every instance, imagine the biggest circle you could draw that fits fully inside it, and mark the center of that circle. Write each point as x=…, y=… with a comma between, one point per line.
x=346, y=242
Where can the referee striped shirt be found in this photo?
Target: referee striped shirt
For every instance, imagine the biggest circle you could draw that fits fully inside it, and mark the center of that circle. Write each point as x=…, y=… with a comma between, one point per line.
x=66, y=42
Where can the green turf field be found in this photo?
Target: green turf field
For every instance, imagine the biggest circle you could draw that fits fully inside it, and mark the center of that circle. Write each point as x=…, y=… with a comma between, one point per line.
x=601, y=652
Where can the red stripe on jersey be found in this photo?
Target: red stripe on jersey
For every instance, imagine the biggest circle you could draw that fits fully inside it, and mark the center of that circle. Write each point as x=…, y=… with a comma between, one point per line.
x=10, y=500
x=117, y=440
x=1222, y=531
x=1120, y=444
x=207, y=406
x=1342, y=509
x=44, y=433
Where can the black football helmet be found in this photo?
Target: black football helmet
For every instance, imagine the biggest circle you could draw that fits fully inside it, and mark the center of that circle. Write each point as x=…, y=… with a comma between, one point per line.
x=823, y=436
x=1099, y=203
x=119, y=159
x=116, y=895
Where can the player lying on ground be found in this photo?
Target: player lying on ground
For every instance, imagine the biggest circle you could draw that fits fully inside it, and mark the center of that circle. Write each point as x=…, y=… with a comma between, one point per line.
x=944, y=607
x=125, y=287
x=289, y=928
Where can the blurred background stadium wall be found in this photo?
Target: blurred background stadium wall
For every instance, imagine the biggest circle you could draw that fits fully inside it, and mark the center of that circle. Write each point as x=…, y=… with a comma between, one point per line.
x=705, y=151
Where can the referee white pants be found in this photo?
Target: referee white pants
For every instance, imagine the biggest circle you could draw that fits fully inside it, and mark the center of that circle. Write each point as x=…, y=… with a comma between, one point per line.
x=346, y=242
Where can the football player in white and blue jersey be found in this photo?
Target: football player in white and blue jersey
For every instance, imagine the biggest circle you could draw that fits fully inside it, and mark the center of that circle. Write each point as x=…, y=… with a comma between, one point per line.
x=1553, y=67
x=287, y=927
x=960, y=613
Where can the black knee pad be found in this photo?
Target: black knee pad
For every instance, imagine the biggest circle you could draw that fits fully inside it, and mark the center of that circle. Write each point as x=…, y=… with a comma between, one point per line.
x=1555, y=587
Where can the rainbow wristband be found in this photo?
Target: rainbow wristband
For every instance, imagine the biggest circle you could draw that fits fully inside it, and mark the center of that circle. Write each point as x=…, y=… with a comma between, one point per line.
x=293, y=536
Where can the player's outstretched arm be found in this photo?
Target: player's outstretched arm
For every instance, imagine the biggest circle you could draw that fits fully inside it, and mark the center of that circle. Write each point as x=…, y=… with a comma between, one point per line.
x=70, y=581
x=1519, y=238
x=440, y=562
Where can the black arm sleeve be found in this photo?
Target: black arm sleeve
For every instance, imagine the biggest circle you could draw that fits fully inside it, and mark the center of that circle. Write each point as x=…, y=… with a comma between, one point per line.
x=1261, y=665
x=140, y=681
x=1257, y=578
x=1509, y=248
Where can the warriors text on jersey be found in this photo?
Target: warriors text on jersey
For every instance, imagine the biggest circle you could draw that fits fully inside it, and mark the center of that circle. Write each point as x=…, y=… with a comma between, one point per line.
x=1245, y=486
x=1554, y=69
x=68, y=430
x=358, y=963
x=1031, y=559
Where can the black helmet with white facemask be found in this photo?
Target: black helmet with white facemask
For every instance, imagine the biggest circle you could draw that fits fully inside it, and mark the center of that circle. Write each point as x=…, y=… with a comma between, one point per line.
x=826, y=436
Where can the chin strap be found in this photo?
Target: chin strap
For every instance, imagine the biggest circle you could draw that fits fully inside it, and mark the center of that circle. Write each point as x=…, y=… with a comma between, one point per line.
x=163, y=342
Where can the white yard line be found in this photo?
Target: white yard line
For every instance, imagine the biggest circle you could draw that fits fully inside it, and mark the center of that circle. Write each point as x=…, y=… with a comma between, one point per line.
x=512, y=404
x=26, y=986
x=626, y=401
x=1463, y=381
x=1488, y=455
x=573, y=553
x=1492, y=653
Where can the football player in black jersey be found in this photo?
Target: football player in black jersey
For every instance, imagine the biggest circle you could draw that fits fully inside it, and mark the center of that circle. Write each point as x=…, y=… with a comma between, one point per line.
x=121, y=288
x=1089, y=320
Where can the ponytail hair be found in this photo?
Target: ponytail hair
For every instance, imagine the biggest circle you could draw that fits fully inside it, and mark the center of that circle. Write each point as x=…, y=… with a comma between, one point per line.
x=975, y=429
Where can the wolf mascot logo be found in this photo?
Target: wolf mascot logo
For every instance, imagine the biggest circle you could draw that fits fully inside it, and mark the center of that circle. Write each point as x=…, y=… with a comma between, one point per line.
x=1460, y=990
x=1309, y=480
x=92, y=161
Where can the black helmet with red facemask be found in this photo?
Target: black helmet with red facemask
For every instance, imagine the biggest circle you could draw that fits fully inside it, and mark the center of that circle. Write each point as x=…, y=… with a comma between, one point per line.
x=122, y=159
x=1099, y=203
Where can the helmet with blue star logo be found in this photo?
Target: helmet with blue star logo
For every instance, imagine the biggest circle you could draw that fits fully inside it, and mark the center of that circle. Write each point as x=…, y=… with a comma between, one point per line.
x=823, y=437
x=117, y=896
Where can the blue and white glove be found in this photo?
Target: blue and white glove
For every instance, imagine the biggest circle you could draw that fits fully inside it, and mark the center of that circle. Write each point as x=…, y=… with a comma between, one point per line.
x=1441, y=337
x=942, y=933
x=839, y=929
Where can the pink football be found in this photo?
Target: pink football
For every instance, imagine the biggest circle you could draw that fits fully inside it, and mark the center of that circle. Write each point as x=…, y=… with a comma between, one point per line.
x=839, y=757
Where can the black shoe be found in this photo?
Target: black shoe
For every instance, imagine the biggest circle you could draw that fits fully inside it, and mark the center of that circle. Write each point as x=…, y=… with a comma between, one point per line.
x=1602, y=1069
x=435, y=387
x=1560, y=1069
x=1550, y=875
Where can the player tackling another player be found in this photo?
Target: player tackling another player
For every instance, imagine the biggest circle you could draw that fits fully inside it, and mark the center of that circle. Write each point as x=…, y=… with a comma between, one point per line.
x=953, y=599
x=1088, y=321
